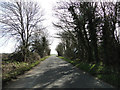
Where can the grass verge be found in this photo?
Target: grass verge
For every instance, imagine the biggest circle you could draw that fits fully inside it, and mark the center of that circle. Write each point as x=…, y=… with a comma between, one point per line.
x=100, y=71
x=19, y=68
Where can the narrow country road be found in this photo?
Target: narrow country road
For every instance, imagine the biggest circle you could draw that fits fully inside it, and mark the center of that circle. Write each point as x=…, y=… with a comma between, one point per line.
x=56, y=73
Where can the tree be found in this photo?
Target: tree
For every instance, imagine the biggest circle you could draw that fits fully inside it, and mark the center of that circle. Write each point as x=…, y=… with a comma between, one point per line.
x=59, y=49
x=20, y=19
x=88, y=29
x=110, y=42
x=40, y=44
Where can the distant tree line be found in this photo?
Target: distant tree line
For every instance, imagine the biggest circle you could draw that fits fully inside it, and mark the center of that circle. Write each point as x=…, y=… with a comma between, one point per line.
x=23, y=20
x=89, y=31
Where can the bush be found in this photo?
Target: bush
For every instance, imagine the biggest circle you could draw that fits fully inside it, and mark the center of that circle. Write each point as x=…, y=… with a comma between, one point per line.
x=16, y=56
x=33, y=57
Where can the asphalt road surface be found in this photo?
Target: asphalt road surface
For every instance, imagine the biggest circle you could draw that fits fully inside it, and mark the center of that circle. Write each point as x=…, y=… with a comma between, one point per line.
x=56, y=73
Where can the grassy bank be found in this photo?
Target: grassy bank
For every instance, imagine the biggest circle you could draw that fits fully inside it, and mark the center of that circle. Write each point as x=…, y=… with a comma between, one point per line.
x=11, y=69
x=100, y=71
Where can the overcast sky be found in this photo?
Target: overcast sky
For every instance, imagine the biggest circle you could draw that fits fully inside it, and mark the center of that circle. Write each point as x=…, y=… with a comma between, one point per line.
x=47, y=6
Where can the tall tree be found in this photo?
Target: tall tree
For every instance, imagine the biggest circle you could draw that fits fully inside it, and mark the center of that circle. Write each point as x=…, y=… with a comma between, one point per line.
x=20, y=19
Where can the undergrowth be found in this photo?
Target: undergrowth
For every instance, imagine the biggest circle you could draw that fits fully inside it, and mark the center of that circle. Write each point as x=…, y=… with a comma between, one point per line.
x=12, y=69
x=98, y=70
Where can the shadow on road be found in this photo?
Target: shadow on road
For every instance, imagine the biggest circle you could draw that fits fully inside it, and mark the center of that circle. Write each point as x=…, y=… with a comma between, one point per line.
x=63, y=75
